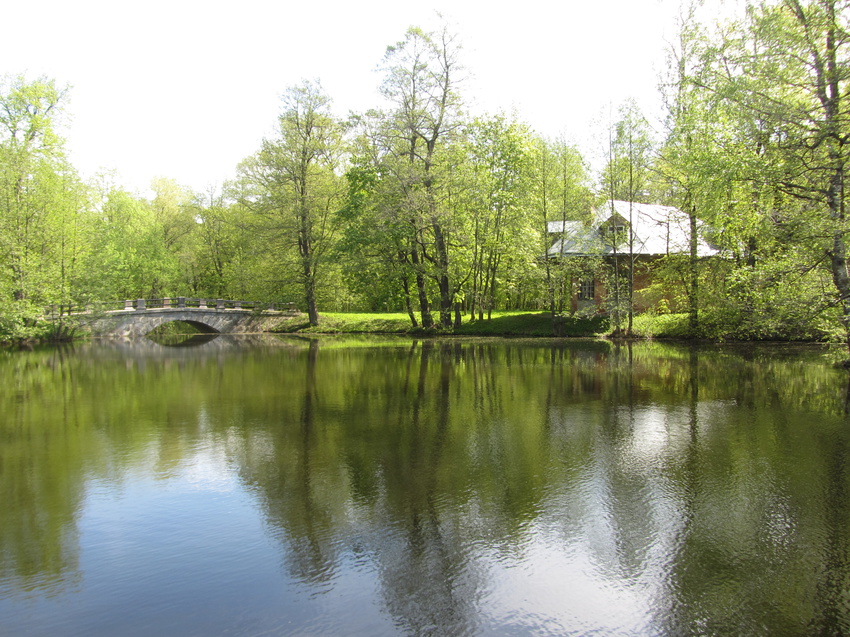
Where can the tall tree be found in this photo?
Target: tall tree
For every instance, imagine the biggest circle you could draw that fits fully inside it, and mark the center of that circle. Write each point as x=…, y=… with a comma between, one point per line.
x=42, y=202
x=699, y=164
x=625, y=178
x=500, y=158
x=297, y=189
x=562, y=194
x=421, y=78
x=783, y=75
x=219, y=245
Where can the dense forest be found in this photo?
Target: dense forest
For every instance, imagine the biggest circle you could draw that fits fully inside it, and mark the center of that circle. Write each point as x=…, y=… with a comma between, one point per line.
x=421, y=206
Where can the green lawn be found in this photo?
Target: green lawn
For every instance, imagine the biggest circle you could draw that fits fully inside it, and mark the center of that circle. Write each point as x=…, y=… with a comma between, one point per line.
x=515, y=323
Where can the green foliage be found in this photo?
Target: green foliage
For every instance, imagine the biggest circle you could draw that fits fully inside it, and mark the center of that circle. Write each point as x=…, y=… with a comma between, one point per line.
x=422, y=206
x=501, y=230
x=654, y=325
x=757, y=149
x=777, y=302
x=292, y=187
x=21, y=321
x=626, y=175
x=372, y=245
x=560, y=193
x=43, y=209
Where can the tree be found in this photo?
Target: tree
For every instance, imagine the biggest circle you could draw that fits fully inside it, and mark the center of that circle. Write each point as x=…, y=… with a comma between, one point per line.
x=795, y=65
x=42, y=202
x=704, y=163
x=561, y=194
x=296, y=187
x=219, y=245
x=140, y=248
x=374, y=244
x=774, y=85
x=500, y=153
x=625, y=178
x=421, y=78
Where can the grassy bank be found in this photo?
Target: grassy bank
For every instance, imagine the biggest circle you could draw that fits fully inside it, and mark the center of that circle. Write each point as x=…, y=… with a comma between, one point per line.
x=672, y=326
x=501, y=324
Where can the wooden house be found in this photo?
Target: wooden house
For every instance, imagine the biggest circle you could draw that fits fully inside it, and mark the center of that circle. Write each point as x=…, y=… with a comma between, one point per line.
x=617, y=232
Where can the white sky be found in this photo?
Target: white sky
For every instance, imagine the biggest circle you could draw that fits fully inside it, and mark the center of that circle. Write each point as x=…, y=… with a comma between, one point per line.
x=186, y=88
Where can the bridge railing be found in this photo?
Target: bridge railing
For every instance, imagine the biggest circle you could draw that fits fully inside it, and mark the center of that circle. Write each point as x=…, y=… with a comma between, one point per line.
x=178, y=302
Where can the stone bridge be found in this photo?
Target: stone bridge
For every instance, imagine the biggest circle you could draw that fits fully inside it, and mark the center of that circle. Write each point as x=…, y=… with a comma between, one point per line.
x=218, y=316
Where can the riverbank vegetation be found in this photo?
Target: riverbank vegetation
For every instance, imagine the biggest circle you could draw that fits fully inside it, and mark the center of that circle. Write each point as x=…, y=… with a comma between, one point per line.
x=501, y=323
x=422, y=207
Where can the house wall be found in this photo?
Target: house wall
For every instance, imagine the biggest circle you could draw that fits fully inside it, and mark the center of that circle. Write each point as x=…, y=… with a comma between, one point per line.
x=643, y=298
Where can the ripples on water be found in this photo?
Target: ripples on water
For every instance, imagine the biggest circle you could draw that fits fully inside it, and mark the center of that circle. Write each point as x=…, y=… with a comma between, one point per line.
x=298, y=487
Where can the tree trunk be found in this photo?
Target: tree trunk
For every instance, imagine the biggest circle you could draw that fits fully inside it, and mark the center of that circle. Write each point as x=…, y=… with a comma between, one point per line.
x=838, y=254
x=424, y=305
x=306, y=249
x=693, y=273
x=407, y=304
x=617, y=316
x=310, y=290
x=838, y=258
x=631, y=290
x=443, y=276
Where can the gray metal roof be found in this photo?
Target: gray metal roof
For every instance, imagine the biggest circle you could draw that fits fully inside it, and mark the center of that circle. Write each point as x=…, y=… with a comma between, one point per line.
x=657, y=230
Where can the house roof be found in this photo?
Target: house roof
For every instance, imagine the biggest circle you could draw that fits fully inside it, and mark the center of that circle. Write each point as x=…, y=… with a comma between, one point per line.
x=657, y=230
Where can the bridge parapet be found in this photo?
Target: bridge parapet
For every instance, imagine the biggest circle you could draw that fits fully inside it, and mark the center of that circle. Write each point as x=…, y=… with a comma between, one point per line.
x=179, y=302
x=183, y=302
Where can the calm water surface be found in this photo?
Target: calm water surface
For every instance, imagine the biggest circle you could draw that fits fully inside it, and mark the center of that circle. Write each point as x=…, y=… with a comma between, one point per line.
x=327, y=487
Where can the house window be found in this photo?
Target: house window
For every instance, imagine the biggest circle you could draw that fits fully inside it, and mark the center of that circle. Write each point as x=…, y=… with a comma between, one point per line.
x=617, y=233
x=586, y=290
x=614, y=233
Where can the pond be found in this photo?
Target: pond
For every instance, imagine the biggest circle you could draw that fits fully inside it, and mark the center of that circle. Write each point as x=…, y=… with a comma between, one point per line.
x=289, y=486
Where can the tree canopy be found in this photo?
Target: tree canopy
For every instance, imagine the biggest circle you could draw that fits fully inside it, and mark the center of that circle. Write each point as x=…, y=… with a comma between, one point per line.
x=423, y=206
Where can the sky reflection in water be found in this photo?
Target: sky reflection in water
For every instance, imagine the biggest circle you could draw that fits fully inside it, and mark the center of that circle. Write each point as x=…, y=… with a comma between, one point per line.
x=453, y=487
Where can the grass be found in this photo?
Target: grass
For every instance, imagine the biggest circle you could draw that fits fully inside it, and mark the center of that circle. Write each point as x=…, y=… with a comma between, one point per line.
x=652, y=325
x=515, y=323
x=349, y=323
x=532, y=324
x=504, y=323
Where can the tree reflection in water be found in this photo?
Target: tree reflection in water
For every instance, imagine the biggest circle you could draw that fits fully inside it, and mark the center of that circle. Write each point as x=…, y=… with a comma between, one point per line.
x=488, y=486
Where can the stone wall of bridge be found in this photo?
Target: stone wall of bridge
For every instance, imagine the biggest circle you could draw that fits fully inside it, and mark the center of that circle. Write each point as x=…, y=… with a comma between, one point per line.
x=137, y=323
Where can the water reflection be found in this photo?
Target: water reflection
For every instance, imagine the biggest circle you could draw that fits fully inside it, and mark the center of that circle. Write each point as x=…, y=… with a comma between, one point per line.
x=187, y=340
x=519, y=487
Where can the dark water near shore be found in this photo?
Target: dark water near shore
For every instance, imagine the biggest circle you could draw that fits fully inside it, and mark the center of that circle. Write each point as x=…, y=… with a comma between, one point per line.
x=350, y=487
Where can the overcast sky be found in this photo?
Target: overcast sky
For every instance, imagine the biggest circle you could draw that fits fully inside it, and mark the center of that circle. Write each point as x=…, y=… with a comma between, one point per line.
x=186, y=89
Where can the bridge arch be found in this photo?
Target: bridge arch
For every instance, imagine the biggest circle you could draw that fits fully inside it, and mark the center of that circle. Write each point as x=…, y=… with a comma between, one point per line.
x=148, y=327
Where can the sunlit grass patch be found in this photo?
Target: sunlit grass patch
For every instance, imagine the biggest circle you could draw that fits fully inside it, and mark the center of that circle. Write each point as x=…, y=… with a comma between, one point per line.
x=501, y=323
x=651, y=325
x=350, y=323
